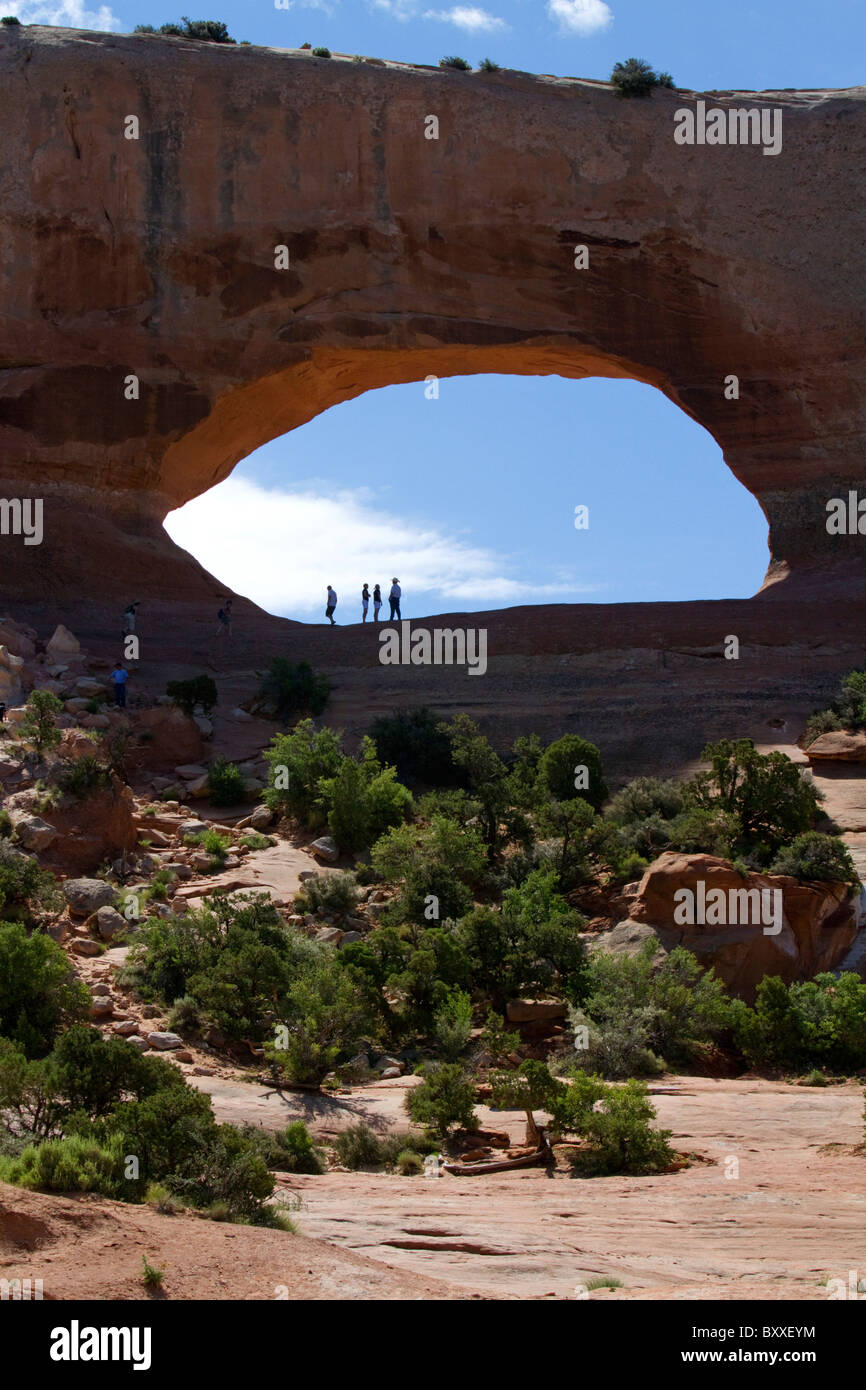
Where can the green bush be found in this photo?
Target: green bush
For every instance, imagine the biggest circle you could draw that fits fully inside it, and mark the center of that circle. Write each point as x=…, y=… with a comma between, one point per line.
x=298, y=762
x=614, y=1125
x=416, y=743
x=9, y=19
x=70, y=1164
x=39, y=725
x=335, y=894
x=359, y=1147
x=811, y=1022
x=185, y=1016
x=487, y=65
x=83, y=777
x=197, y=691
x=38, y=991
x=821, y=722
x=460, y=64
x=225, y=782
x=768, y=794
x=206, y=30
x=326, y=1013
x=291, y=689
x=435, y=866
x=641, y=1013
x=363, y=800
x=453, y=1024
x=817, y=858
x=637, y=78
x=529, y=1089
x=254, y=840
x=289, y=1150
x=408, y=1163
x=558, y=771
x=321, y=52
x=445, y=1098
x=644, y=797
x=5, y=824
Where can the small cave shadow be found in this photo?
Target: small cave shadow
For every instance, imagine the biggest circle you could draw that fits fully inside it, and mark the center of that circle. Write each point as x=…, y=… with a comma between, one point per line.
x=318, y=1106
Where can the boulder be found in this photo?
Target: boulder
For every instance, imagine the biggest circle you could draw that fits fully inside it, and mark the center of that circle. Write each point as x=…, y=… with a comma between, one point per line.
x=164, y=1042
x=83, y=946
x=126, y=1028
x=16, y=715
x=20, y=640
x=260, y=817
x=199, y=789
x=109, y=923
x=241, y=715
x=193, y=827
x=816, y=926
x=33, y=832
x=349, y=937
x=325, y=848
x=92, y=831
x=95, y=721
x=390, y=1073
x=86, y=895
x=87, y=688
x=101, y=1007
x=190, y=772
x=386, y=1063
x=11, y=671
x=838, y=746
x=204, y=725
x=137, y=1042
x=61, y=644
x=534, y=1010
x=167, y=738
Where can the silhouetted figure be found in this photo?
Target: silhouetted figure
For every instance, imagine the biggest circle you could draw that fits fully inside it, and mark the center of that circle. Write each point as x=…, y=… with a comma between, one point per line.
x=365, y=601
x=332, y=603
x=377, y=603
x=224, y=618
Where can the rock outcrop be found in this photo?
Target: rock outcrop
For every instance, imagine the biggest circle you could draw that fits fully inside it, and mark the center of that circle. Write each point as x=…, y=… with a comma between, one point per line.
x=160, y=333
x=740, y=937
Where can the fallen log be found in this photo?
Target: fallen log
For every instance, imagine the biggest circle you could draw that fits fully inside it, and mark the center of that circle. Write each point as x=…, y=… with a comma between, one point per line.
x=543, y=1154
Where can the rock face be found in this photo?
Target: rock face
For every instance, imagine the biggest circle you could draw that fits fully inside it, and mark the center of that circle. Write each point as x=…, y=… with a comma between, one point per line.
x=91, y=831
x=155, y=257
x=838, y=746
x=812, y=932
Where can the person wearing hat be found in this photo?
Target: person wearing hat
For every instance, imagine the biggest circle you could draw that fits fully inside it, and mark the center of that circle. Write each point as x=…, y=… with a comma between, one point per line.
x=394, y=598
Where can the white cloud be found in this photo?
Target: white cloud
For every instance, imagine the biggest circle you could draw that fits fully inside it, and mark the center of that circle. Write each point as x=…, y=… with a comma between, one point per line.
x=281, y=549
x=469, y=17
x=580, y=16
x=398, y=9
x=67, y=14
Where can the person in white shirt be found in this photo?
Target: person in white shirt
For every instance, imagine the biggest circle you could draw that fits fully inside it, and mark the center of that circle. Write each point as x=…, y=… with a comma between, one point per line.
x=332, y=603
x=394, y=598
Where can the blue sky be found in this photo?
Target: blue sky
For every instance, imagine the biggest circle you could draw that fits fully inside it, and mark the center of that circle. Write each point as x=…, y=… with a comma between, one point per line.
x=470, y=499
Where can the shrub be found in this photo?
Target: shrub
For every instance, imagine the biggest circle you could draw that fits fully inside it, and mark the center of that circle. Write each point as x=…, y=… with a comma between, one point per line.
x=69, y=1164
x=254, y=840
x=823, y=721
x=197, y=691
x=643, y=797
x=819, y=858
x=215, y=844
x=38, y=991
x=9, y=19
x=93, y=706
x=460, y=64
x=558, y=771
x=445, y=1098
x=636, y=78
x=5, y=824
x=487, y=65
x=335, y=894
x=453, y=1024
x=185, y=1016
x=529, y=1089
x=414, y=742
x=206, y=30
x=290, y=1150
x=811, y=1022
x=325, y=1013
x=291, y=689
x=298, y=762
x=364, y=800
x=150, y=1275
x=408, y=1163
x=639, y=1012
x=614, y=1125
x=321, y=52
x=358, y=1147
x=39, y=725
x=437, y=862
x=225, y=782
x=83, y=777
x=766, y=792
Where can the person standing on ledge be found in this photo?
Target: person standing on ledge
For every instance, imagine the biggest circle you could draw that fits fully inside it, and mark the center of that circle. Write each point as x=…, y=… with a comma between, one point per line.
x=377, y=603
x=365, y=601
x=394, y=598
x=118, y=678
x=332, y=603
x=129, y=615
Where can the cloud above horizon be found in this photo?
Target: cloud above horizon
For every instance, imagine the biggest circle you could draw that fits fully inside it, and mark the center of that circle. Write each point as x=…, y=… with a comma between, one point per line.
x=282, y=548
x=471, y=18
x=68, y=14
x=580, y=16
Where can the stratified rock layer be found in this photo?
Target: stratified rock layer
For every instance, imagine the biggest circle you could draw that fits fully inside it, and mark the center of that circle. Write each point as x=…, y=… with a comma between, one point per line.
x=155, y=258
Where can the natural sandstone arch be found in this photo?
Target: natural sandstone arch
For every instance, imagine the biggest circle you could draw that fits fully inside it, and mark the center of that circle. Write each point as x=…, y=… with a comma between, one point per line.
x=155, y=257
